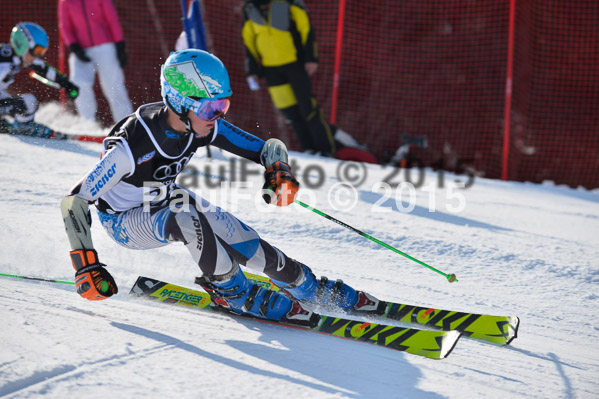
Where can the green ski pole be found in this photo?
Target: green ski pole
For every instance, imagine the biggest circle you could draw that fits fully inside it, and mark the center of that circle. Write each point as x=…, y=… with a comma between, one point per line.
x=37, y=279
x=450, y=277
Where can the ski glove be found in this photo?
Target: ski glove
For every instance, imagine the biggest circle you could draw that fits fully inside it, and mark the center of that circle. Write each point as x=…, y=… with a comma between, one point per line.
x=12, y=106
x=280, y=187
x=79, y=52
x=92, y=280
x=120, y=53
x=71, y=89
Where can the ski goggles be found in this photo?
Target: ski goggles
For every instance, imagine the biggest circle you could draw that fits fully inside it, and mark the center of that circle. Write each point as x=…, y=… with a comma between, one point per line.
x=210, y=109
x=38, y=51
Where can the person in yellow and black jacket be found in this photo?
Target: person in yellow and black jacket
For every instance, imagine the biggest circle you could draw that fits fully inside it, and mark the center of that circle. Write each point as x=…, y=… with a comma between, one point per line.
x=280, y=46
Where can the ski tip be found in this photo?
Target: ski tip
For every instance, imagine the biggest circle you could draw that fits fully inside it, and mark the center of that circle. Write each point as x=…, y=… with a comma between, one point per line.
x=449, y=342
x=514, y=324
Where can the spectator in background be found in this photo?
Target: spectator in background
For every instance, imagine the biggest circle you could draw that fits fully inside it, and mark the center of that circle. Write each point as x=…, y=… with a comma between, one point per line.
x=281, y=47
x=28, y=44
x=94, y=35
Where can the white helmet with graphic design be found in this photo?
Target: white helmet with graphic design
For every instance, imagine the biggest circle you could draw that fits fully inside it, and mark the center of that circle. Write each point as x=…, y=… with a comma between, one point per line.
x=195, y=80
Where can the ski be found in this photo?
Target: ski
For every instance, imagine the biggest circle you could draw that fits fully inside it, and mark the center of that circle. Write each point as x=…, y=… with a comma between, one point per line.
x=496, y=329
x=427, y=343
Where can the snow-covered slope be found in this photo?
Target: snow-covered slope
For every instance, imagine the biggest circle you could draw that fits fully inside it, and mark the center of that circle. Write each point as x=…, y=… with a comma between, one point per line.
x=517, y=248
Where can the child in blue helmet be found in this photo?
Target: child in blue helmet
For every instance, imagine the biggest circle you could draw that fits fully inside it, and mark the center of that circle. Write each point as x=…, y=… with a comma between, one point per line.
x=28, y=44
x=148, y=150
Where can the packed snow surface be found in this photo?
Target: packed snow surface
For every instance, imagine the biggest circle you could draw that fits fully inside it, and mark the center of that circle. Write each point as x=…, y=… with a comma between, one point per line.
x=517, y=249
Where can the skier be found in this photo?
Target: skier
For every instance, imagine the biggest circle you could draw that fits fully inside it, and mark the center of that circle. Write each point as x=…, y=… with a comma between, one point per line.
x=280, y=45
x=28, y=43
x=151, y=147
x=92, y=30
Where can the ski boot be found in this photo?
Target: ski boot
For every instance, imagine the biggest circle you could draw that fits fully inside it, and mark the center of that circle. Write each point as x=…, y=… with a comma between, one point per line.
x=235, y=293
x=332, y=294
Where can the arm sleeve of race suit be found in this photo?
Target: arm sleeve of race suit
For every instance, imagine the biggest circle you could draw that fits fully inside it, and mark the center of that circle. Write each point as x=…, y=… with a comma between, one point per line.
x=237, y=141
x=77, y=222
x=300, y=16
x=115, y=164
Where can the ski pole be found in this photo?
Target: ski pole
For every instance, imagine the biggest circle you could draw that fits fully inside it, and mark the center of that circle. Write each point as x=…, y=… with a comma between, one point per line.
x=72, y=93
x=44, y=80
x=37, y=279
x=450, y=277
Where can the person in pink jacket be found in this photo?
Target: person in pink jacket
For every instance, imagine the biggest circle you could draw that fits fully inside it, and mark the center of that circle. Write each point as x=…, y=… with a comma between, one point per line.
x=94, y=35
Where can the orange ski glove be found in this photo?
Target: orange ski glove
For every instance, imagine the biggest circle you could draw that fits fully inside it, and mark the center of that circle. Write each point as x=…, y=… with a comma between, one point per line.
x=280, y=187
x=92, y=280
